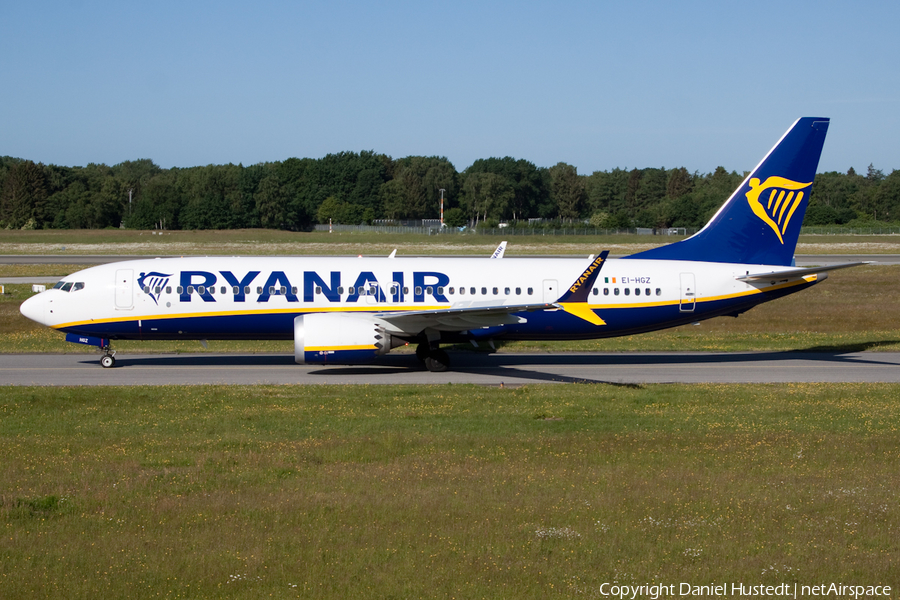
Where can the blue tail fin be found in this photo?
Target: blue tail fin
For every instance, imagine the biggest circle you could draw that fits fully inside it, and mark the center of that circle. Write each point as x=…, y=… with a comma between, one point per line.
x=760, y=222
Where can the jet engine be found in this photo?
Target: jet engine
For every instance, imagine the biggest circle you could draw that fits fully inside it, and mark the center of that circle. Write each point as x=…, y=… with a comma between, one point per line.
x=338, y=338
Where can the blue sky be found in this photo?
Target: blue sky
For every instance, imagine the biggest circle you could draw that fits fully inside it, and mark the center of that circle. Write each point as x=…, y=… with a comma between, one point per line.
x=598, y=85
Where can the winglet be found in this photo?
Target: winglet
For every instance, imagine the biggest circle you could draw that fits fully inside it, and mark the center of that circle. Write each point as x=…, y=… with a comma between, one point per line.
x=579, y=290
x=574, y=301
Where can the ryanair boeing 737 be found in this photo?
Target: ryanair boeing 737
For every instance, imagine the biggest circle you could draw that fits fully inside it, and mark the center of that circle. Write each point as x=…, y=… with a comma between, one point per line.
x=353, y=310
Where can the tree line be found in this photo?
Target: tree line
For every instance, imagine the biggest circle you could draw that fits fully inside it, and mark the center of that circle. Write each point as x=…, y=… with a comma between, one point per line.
x=353, y=188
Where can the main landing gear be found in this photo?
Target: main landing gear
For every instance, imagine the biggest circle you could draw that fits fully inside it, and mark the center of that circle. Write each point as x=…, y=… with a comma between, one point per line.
x=108, y=360
x=434, y=359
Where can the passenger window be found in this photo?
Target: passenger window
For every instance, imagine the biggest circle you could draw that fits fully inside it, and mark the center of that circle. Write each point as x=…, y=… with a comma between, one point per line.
x=294, y=290
x=236, y=290
x=472, y=291
x=318, y=290
x=201, y=290
x=462, y=291
x=223, y=290
x=169, y=289
x=451, y=291
x=190, y=289
x=530, y=291
x=658, y=292
x=506, y=291
x=647, y=292
x=393, y=290
x=495, y=291
x=405, y=290
x=615, y=291
x=212, y=289
x=484, y=291
x=283, y=290
x=606, y=291
x=145, y=289
x=596, y=291
x=259, y=289
x=440, y=291
x=155, y=290
x=518, y=291
x=637, y=291
x=627, y=291
x=180, y=290
x=419, y=290
x=246, y=289
x=429, y=290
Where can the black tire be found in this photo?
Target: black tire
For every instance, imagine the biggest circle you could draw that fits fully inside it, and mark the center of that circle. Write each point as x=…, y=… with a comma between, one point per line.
x=438, y=361
x=422, y=352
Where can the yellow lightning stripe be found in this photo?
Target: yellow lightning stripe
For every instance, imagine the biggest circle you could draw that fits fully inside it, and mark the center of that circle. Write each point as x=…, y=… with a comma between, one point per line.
x=583, y=311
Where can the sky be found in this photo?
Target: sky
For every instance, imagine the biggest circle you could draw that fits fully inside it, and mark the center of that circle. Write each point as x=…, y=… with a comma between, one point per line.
x=598, y=85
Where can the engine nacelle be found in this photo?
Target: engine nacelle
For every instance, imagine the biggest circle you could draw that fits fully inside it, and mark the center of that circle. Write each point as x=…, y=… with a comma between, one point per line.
x=338, y=338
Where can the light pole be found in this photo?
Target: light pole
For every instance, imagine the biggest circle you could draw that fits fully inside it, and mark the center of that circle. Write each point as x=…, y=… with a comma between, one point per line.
x=442, y=208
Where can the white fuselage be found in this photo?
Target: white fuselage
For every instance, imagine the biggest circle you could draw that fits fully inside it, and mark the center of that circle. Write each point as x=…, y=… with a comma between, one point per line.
x=258, y=297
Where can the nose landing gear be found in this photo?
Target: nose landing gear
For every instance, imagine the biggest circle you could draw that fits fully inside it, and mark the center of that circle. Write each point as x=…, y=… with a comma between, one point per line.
x=108, y=360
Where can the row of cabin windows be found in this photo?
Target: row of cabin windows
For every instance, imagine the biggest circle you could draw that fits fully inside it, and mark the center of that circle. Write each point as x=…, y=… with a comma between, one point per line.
x=362, y=291
x=627, y=291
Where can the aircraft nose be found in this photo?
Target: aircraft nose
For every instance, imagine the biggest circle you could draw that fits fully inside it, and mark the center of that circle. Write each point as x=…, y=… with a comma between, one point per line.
x=35, y=308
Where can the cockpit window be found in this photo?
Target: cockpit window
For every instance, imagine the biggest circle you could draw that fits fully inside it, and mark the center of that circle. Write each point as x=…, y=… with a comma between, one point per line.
x=69, y=286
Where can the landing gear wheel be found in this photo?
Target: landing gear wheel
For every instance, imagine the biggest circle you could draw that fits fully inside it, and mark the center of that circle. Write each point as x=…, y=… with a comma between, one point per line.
x=422, y=352
x=107, y=361
x=437, y=361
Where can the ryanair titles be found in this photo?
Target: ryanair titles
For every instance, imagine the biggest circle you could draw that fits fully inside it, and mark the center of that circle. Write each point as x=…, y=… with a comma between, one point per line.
x=206, y=285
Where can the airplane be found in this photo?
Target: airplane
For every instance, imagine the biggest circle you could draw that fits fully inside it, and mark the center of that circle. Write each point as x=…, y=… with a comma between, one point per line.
x=352, y=310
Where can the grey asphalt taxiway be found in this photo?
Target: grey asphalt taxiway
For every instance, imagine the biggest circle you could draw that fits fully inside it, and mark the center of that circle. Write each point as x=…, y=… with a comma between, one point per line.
x=508, y=369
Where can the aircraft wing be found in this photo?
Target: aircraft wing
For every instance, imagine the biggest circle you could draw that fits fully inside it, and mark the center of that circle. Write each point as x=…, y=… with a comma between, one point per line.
x=458, y=318
x=487, y=314
x=798, y=273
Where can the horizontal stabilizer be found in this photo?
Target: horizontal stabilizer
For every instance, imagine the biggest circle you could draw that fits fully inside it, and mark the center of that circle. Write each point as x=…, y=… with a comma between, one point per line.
x=798, y=273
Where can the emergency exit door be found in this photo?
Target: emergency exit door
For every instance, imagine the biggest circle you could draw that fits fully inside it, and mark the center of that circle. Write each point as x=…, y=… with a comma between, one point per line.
x=688, y=293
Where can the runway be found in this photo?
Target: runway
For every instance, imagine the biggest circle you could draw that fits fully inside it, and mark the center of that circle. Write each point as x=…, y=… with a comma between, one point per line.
x=496, y=369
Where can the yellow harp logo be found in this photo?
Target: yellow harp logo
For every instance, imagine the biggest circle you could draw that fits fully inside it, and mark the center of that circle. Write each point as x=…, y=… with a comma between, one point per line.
x=777, y=207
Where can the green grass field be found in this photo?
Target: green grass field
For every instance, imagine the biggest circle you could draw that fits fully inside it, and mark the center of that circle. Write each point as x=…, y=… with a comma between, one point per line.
x=455, y=491
x=444, y=492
